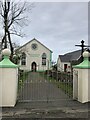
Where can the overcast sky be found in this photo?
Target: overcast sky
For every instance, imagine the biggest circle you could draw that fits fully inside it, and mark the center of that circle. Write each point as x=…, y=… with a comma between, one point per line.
x=58, y=25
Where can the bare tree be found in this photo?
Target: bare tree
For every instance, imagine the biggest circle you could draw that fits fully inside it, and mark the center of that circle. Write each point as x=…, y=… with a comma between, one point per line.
x=13, y=17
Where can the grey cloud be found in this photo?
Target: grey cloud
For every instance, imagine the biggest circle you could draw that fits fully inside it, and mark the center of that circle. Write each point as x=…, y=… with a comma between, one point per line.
x=58, y=25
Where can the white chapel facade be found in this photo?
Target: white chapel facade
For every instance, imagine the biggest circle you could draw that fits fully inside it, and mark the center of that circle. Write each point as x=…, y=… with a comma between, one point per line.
x=34, y=56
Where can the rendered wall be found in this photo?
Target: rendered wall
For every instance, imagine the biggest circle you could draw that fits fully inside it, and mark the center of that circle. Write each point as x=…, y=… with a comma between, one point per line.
x=9, y=79
x=36, y=56
x=83, y=85
x=89, y=85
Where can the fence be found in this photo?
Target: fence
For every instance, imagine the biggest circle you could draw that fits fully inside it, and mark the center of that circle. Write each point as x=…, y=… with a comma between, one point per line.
x=63, y=80
x=45, y=86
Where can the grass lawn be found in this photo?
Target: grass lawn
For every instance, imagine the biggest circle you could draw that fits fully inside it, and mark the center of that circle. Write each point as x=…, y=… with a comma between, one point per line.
x=66, y=87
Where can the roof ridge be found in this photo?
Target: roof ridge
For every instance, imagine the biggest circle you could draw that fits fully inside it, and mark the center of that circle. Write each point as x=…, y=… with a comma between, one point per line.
x=37, y=41
x=70, y=56
x=70, y=52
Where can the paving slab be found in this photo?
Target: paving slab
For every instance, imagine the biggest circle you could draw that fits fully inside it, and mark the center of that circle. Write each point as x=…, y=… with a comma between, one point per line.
x=31, y=111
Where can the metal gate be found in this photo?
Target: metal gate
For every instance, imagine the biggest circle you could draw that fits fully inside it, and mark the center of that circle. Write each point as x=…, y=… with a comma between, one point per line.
x=44, y=86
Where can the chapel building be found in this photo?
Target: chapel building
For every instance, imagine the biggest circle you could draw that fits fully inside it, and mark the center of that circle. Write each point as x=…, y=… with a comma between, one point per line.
x=34, y=56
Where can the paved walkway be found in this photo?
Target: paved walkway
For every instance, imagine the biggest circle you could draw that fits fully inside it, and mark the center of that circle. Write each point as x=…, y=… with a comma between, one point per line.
x=31, y=110
x=44, y=100
x=37, y=88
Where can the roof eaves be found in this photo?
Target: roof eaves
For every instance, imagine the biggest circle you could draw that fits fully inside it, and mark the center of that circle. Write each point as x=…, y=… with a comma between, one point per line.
x=37, y=41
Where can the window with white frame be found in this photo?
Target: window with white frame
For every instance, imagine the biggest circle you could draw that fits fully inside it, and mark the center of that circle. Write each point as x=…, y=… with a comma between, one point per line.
x=23, y=59
x=44, y=59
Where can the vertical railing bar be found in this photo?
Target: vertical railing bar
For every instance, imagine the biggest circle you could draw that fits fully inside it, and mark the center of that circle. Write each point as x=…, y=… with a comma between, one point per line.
x=31, y=86
x=22, y=85
x=66, y=83
x=47, y=86
x=68, y=78
x=38, y=86
x=27, y=82
x=18, y=86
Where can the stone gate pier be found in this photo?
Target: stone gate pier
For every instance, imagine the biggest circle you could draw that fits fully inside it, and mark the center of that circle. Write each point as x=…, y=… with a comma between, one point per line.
x=81, y=79
x=8, y=81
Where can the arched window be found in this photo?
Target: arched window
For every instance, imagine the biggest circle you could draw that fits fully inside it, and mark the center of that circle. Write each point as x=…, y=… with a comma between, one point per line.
x=44, y=59
x=23, y=59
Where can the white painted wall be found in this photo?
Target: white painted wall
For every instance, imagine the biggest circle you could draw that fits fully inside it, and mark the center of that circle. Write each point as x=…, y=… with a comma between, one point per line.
x=35, y=56
x=81, y=85
x=89, y=84
x=9, y=80
x=60, y=65
x=0, y=87
x=68, y=64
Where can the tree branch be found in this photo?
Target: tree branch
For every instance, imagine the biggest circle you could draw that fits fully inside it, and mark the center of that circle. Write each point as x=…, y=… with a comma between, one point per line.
x=17, y=34
x=12, y=16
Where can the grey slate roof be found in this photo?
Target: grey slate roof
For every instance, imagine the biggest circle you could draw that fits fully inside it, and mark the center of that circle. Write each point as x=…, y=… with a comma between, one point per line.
x=70, y=56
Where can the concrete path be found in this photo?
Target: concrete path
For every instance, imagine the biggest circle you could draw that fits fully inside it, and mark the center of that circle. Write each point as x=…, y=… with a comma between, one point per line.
x=24, y=111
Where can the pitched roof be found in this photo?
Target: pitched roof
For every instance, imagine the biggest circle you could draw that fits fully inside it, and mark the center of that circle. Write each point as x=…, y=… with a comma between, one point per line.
x=37, y=41
x=65, y=58
x=75, y=55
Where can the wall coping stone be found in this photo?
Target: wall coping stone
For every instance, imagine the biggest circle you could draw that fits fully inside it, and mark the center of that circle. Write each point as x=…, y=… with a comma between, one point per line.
x=6, y=63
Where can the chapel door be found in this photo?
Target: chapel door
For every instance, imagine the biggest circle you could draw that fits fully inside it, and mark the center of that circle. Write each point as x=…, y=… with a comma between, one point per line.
x=34, y=67
x=65, y=67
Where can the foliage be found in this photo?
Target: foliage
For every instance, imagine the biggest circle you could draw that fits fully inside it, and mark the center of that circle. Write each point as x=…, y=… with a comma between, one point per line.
x=22, y=77
x=54, y=67
x=16, y=59
x=12, y=15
